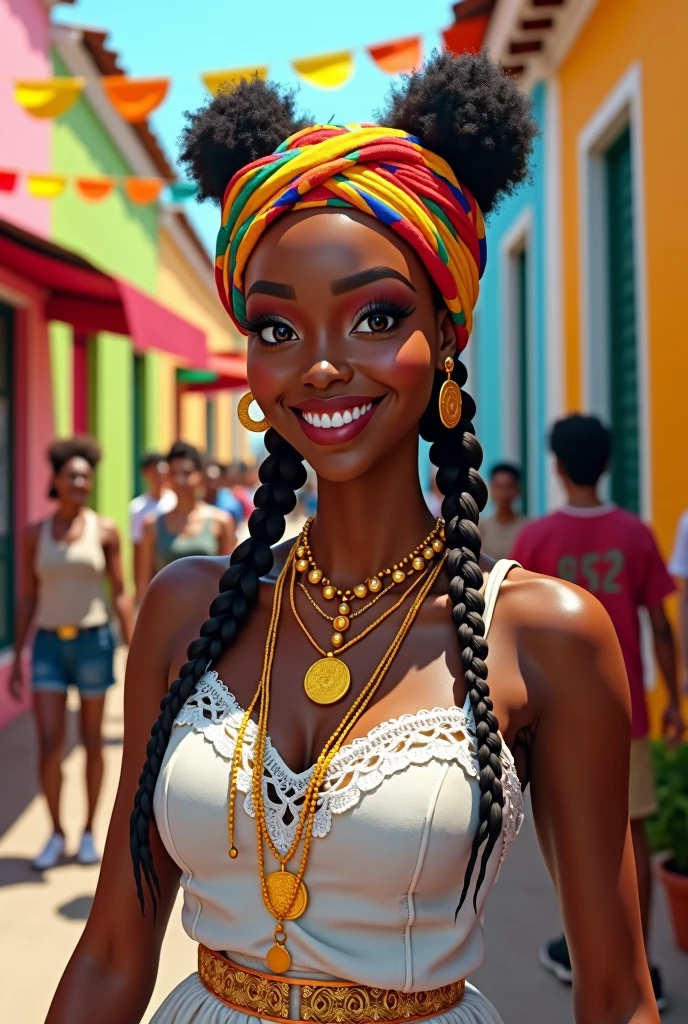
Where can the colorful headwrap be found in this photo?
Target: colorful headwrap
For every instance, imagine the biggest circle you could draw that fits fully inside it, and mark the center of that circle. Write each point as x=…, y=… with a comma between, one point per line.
x=383, y=172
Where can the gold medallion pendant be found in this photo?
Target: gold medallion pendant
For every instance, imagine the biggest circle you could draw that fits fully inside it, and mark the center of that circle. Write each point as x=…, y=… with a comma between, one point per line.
x=281, y=886
x=278, y=958
x=327, y=680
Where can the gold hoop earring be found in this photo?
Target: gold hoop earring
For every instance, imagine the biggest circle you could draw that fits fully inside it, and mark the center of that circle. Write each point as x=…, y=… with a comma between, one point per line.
x=450, y=398
x=256, y=426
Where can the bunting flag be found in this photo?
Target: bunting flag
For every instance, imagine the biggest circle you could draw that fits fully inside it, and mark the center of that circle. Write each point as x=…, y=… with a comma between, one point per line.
x=180, y=191
x=328, y=71
x=8, y=181
x=214, y=81
x=46, y=186
x=142, y=191
x=401, y=56
x=49, y=97
x=94, y=190
x=135, y=98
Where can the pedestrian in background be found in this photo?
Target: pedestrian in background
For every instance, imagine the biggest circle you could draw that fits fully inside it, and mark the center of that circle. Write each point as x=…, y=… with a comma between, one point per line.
x=678, y=567
x=612, y=553
x=217, y=492
x=67, y=559
x=500, y=530
x=158, y=498
x=193, y=527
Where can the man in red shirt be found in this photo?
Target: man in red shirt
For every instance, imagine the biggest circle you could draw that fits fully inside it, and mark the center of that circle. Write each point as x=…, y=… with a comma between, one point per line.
x=613, y=554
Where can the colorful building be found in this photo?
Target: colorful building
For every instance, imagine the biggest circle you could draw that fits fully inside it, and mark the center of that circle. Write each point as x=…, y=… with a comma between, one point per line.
x=109, y=322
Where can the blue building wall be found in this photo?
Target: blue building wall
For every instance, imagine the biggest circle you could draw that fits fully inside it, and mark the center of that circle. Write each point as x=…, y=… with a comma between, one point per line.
x=487, y=370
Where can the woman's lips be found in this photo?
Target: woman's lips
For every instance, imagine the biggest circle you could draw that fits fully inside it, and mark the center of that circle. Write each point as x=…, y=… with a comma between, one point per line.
x=336, y=421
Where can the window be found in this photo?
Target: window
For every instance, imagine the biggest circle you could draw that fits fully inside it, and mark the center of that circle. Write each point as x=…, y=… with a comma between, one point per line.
x=622, y=331
x=6, y=478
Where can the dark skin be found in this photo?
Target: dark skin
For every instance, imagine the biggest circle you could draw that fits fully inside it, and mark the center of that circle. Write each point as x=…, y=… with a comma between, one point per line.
x=553, y=652
x=73, y=485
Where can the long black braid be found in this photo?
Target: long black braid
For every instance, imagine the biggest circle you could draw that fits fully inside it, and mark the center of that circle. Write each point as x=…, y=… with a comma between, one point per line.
x=281, y=474
x=458, y=455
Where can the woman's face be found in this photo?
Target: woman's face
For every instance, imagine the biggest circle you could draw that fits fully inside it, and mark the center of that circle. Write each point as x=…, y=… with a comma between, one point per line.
x=344, y=338
x=74, y=482
x=185, y=478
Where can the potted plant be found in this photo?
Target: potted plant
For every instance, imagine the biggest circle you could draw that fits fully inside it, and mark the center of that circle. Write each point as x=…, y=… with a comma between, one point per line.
x=668, y=833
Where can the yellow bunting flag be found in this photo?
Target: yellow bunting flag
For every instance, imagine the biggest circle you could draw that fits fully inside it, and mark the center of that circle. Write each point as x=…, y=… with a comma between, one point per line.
x=49, y=97
x=46, y=186
x=143, y=190
x=328, y=71
x=94, y=189
x=401, y=55
x=214, y=81
x=135, y=98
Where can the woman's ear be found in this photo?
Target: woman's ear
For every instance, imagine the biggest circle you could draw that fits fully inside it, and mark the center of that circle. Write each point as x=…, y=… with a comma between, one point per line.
x=447, y=338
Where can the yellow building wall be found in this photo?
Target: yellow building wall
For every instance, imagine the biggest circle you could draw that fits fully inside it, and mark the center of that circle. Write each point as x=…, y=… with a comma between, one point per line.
x=616, y=36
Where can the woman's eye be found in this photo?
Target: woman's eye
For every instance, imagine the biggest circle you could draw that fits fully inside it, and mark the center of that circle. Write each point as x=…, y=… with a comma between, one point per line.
x=376, y=323
x=275, y=334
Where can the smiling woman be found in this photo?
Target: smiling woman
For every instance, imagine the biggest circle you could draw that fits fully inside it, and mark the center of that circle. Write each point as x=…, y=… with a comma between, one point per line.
x=338, y=821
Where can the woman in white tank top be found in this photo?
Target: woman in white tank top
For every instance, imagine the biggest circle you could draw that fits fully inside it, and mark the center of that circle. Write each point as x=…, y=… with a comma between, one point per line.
x=329, y=775
x=68, y=557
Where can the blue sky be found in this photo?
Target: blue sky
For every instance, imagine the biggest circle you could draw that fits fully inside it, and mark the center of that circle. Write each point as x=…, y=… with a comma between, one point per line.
x=181, y=39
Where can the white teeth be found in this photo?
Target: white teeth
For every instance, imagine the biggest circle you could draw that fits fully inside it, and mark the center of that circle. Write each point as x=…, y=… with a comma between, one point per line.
x=356, y=413
x=325, y=421
x=316, y=420
x=337, y=420
x=347, y=417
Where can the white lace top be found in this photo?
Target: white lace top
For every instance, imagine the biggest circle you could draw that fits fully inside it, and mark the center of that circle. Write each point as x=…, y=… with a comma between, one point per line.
x=396, y=817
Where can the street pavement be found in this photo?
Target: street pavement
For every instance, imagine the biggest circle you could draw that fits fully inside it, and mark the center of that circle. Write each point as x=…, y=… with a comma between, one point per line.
x=42, y=916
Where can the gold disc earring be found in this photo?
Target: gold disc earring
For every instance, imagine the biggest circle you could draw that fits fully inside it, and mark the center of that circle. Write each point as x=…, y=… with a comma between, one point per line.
x=256, y=426
x=450, y=398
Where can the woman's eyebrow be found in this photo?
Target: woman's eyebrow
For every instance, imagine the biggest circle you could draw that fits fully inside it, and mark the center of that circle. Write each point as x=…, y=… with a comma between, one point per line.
x=280, y=291
x=347, y=284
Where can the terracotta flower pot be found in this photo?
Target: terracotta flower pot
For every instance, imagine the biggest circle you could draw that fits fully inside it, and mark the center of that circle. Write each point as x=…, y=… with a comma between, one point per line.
x=676, y=888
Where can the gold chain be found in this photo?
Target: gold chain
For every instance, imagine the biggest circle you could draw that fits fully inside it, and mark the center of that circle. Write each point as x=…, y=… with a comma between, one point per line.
x=369, y=628
x=352, y=615
x=310, y=801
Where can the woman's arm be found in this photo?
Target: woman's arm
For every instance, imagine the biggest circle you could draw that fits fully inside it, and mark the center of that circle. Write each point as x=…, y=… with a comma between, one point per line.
x=579, y=768
x=113, y=563
x=26, y=607
x=111, y=974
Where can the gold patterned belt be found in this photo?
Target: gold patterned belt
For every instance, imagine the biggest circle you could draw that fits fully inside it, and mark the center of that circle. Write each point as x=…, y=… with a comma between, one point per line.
x=327, y=1002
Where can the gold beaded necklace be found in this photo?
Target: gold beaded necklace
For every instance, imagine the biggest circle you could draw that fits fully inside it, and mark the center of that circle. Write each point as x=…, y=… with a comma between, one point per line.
x=284, y=893
x=328, y=679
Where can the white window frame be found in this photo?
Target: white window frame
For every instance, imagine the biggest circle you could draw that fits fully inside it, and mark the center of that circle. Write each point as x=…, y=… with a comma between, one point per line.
x=621, y=108
x=515, y=240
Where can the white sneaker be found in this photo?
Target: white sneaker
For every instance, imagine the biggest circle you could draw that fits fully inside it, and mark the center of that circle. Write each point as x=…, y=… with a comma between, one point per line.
x=51, y=853
x=87, y=850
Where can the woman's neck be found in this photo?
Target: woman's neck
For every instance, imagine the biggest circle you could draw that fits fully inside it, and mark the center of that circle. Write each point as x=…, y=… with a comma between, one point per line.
x=67, y=512
x=368, y=524
x=186, y=503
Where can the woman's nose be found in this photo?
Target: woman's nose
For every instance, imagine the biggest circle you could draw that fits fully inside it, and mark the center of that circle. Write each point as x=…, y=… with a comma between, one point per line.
x=323, y=373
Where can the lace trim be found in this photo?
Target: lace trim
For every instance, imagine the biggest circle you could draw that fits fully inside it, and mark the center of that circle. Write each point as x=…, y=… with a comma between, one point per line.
x=442, y=734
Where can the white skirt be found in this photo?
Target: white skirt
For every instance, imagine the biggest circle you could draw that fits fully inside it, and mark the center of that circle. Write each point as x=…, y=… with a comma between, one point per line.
x=191, y=1003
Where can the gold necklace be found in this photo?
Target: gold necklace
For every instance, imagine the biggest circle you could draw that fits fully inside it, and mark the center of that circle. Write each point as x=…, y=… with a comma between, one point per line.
x=284, y=893
x=351, y=615
x=328, y=679
x=432, y=545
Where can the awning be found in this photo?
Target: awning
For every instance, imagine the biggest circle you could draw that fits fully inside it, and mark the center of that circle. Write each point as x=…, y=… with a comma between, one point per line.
x=80, y=294
x=221, y=373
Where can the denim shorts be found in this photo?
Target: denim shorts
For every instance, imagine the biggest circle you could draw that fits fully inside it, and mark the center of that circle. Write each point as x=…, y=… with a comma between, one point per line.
x=85, y=662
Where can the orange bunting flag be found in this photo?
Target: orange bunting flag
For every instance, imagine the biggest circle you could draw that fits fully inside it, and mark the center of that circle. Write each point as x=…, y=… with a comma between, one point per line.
x=215, y=81
x=401, y=55
x=46, y=186
x=135, y=98
x=94, y=189
x=143, y=190
x=48, y=97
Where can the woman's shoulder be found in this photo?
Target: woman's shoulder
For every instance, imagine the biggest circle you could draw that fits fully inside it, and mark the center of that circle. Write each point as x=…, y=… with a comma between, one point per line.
x=564, y=636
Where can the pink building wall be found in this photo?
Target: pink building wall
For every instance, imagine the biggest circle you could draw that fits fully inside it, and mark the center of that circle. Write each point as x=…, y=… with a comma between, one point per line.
x=33, y=432
x=25, y=141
